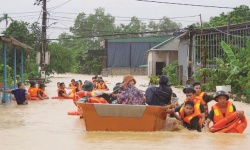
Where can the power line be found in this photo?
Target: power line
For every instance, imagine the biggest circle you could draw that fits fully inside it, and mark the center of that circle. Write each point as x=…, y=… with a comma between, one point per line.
x=197, y=5
x=55, y=7
x=132, y=16
x=125, y=33
x=25, y=12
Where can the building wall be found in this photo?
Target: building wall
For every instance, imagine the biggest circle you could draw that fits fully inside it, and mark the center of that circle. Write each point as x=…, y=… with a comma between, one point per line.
x=183, y=58
x=160, y=56
x=171, y=45
x=150, y=61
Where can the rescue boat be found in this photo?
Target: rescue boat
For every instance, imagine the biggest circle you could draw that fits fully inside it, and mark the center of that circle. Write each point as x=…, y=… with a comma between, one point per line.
x=118, y=117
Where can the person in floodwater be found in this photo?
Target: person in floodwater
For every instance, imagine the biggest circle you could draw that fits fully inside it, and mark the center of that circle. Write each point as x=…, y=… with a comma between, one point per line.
x=72, y=83
x=204, y=97
x=41, y=92
x=191, y=96
x=21, y=94
x=190, y=115
x=129, y=94
x=101, y=85
x=61, y=91
x=221, y=109
x=33, y=89
x=80, y=84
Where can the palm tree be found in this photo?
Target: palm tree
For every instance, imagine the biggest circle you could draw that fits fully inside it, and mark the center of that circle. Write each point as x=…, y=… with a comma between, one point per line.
x=6, y=18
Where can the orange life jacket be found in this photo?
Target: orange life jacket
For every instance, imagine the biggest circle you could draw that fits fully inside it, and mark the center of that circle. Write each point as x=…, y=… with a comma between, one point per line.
x=196, y=113
x=218, y=114
x=43, y=93
x=71, y=85
x=58, y=94
x=97, y=100
x=200, y=96
x=33, y=91
x=101, y=86
x=195, y=100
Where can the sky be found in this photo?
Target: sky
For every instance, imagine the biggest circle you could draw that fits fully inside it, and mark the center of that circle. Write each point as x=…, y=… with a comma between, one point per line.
x=64, y=12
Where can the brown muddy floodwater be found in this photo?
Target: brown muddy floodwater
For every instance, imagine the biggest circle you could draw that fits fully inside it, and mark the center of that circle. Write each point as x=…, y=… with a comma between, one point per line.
x=45, y=125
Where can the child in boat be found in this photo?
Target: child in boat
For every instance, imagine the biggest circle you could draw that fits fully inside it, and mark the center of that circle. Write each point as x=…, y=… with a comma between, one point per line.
x=21, y=94
x=190, y=115
x=221, y=109
x=33, y=89
x=41, y=92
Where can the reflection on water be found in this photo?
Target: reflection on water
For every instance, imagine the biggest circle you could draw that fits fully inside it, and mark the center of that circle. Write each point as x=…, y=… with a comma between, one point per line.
x=46, y=125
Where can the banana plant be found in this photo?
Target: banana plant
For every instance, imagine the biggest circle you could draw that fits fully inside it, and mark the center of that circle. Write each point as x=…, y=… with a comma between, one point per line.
x=234, y=63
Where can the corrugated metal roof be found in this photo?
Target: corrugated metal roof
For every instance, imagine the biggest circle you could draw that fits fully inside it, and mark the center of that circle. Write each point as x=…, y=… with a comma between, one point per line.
x=157, y=39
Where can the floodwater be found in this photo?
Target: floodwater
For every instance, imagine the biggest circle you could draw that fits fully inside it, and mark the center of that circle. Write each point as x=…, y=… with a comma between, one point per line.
x=45, y=125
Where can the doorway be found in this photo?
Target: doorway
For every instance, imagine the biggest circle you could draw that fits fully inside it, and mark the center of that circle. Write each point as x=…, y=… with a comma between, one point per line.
x=159, y=67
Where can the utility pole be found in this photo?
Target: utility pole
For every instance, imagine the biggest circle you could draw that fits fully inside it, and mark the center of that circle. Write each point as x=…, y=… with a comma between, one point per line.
x=44, y=40
x=203, y=51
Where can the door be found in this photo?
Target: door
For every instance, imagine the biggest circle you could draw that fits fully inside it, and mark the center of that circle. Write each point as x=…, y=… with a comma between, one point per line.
x=159, y=67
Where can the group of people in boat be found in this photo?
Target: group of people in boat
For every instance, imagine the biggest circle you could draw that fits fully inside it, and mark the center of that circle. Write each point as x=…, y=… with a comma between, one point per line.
x=194, y=112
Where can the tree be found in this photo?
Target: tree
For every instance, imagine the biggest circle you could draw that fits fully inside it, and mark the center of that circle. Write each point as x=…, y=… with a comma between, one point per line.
x=61, y=59
x=238, y=15
x=6, y=18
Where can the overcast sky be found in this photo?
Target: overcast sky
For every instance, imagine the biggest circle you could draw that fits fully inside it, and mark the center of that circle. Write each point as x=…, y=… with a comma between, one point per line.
x=122, y=8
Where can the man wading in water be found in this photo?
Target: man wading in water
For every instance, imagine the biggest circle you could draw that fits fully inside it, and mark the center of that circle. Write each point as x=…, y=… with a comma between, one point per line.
x=21, y=94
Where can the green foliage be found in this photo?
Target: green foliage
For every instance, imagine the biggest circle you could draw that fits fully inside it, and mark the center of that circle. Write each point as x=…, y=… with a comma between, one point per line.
x=238, y=15
x=170, y=70
x=61, y=59
x=233, y=69
x=5, y=18
x=9, y=74
x=154, y=80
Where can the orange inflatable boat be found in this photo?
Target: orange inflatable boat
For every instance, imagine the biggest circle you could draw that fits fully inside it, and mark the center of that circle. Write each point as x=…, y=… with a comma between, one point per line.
x=230, y=124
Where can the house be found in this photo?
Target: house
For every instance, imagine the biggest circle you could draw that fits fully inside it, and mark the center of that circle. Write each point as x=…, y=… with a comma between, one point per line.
x=162, y=55
x=126, y=56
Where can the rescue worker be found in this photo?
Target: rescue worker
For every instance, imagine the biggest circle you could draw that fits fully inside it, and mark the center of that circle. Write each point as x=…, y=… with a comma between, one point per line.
x=61, y=91
x=101, y=85
x=191, y=96
x=221, y=109
x=33, y=89
x=203, y=96
x=190, y=115
x=41, y=92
